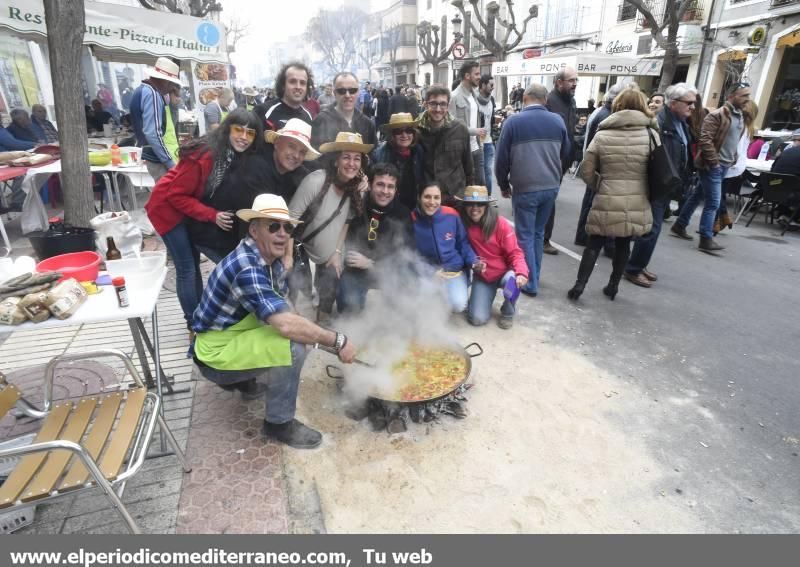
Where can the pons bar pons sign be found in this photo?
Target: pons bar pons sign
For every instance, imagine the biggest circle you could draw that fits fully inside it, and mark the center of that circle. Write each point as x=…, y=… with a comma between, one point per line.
x=127, y=28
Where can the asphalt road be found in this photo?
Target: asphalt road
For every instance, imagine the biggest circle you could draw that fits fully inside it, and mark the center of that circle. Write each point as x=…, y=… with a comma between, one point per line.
x=711, y=350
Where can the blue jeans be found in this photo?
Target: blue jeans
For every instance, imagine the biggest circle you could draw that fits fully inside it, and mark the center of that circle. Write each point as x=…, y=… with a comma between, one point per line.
x=531, y=213
x=488, y=164
x=188, y=280
x=457, y=290
x=482, y=297
x=351, y=296
x=710, y=192
x=282, y=383
x=645, y=245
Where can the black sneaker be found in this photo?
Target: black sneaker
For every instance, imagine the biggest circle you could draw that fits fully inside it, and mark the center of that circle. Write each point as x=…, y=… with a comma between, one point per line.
x=679, y=231
x=293, y=433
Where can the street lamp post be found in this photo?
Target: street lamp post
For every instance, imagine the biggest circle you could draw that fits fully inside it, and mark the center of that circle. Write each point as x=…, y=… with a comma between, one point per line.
x=457, y=37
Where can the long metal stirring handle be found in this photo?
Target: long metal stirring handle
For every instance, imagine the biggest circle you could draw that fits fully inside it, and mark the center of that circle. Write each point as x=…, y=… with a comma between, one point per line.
x=333, y=352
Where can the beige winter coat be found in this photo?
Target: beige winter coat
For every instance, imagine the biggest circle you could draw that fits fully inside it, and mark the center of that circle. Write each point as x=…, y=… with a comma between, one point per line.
x=615, y=166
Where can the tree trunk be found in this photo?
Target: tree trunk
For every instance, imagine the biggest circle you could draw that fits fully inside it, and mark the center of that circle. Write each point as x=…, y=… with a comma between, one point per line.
x=65, y=26
x=671, y=55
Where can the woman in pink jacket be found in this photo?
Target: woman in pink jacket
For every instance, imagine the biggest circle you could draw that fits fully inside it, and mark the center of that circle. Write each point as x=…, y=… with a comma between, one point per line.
x=500, y=257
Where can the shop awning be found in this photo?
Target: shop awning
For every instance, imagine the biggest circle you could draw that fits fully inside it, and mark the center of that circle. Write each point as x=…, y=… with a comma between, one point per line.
x=732, y=55
x=790, y=40
x=586, y=62
x=125, y=29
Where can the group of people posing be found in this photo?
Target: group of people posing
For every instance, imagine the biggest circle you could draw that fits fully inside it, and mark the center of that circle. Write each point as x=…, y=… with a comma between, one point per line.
x=271, y=192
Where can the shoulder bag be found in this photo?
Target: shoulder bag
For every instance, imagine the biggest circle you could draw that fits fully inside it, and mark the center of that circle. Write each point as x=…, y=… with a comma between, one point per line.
x=662, y=176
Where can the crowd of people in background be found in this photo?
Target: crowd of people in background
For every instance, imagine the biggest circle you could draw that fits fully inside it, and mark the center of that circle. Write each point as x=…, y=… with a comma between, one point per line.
x=315, y=190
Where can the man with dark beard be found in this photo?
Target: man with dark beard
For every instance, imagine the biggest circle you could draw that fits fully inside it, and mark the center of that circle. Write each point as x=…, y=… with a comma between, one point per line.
x=561, y=100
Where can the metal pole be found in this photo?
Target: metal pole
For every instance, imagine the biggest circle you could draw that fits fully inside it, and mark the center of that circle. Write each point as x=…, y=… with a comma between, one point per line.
x=158, y=375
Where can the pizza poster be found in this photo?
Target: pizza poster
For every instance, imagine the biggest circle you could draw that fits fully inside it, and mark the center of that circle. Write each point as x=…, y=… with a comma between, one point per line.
x=209, y=79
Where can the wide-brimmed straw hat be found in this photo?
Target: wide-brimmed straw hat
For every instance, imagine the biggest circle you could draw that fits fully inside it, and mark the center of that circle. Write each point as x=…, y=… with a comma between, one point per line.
x=346, y=142
x=476, y=194
x=249, y=91
x=165, y=68
x=297, y=130
x=399, y=120
x=267, y=206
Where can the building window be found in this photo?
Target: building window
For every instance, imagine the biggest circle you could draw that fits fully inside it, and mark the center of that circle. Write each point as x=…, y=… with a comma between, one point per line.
x=627, y=11
x=644, y=45
x=429, y=4
x=784, y=110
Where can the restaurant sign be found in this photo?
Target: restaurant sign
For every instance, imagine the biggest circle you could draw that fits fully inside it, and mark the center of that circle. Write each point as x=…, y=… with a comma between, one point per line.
x=126, y=28
x=586, y=63
x=619, y=47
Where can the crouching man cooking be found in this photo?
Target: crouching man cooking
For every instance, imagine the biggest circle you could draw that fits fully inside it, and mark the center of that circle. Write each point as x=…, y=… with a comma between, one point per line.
x=248, y=337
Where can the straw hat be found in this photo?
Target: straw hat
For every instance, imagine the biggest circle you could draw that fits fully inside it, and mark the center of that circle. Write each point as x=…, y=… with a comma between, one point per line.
x=346, y=142
x=399, y=120
x=166, y=69
x=267, y=206
x=249, y=91
x=297, y=130
x=476, y=194
x=796, y=134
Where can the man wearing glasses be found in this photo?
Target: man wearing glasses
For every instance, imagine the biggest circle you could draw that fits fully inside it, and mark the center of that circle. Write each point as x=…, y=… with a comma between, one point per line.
x=342, y=116
x=446, y=141
x=677, y=139
x=373, y=238
x=248, y=336
x=718, y=144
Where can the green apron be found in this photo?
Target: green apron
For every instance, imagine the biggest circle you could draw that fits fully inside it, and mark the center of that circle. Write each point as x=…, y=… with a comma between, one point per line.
x=171, y=137
x=246, y=345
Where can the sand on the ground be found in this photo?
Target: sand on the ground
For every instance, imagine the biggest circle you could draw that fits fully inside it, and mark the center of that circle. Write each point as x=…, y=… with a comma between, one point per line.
x=543, y=450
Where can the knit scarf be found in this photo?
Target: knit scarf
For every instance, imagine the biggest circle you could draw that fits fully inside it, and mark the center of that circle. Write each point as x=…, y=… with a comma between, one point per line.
x=221, y=166
x=404, y=153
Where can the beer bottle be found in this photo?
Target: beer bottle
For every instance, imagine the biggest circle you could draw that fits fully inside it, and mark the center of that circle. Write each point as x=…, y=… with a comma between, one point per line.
x=113, y=252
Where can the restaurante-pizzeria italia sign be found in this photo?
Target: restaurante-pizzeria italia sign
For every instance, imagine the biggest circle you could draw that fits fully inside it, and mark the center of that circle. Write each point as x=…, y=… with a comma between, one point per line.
x=126, y=28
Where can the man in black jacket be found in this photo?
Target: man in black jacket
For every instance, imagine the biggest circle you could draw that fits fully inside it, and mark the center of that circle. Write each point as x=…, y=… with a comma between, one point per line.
x=374, y=238
x=286, y=151
x=342, y=116
x=448, y=159
x=561, y=101
x=676, y=136
x=292, y=86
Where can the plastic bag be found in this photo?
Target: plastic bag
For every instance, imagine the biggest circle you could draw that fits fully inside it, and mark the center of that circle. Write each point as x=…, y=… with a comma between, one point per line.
x=127, y=235
x=34, y=215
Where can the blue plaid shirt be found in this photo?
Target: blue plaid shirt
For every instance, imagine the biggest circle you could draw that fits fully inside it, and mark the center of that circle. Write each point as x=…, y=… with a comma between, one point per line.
x=242, y=283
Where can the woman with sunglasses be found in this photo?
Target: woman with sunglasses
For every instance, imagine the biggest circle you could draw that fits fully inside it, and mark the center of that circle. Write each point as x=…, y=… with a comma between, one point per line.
x=240, y=174
x=325, y=202
x=493, y=239
x=178, y=198
x=402, y=151
x=442, y=241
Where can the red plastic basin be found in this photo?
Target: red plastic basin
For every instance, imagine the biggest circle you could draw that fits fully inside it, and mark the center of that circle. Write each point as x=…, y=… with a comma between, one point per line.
x=83, y=266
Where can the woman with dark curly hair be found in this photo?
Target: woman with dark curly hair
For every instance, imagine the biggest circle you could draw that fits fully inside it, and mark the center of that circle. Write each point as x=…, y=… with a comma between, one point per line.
x=206, y=165
x=325, y=201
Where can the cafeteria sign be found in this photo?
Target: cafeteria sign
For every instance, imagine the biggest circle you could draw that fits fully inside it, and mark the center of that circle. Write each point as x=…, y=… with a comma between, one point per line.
x=130, y=29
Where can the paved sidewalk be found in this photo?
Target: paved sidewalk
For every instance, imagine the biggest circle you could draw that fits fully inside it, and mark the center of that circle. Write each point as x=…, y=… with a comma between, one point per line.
x=237, y=483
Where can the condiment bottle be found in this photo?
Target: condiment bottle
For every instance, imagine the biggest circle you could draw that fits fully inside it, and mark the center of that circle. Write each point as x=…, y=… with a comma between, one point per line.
x=116, y=155
x=112, y=252
x=122, y=291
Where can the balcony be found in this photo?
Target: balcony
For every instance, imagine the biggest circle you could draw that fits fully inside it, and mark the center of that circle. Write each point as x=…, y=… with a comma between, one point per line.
x=626, y=12
x=781, y=3
x=693, y=15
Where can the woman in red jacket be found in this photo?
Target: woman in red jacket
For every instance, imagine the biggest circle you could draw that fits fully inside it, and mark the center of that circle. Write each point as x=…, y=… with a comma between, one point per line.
x=177, y=196
x=495, y=243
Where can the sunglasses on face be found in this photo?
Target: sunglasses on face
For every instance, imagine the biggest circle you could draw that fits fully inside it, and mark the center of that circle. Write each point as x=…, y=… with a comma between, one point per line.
x=343, y=91
x=238, y=130
x=372, y=233
x=687, y=102
x=399, y=131
x=274, y=227
x=438, y=104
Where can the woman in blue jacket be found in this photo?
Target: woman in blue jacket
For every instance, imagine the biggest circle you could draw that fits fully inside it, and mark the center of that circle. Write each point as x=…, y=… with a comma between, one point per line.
x=442, y=240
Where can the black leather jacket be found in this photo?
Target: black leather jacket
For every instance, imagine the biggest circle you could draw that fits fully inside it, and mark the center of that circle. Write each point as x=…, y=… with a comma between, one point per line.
x=679, y=152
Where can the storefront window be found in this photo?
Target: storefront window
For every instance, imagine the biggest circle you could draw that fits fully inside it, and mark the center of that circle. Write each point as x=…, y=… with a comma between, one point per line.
x=784, y=112
x=17, y=76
